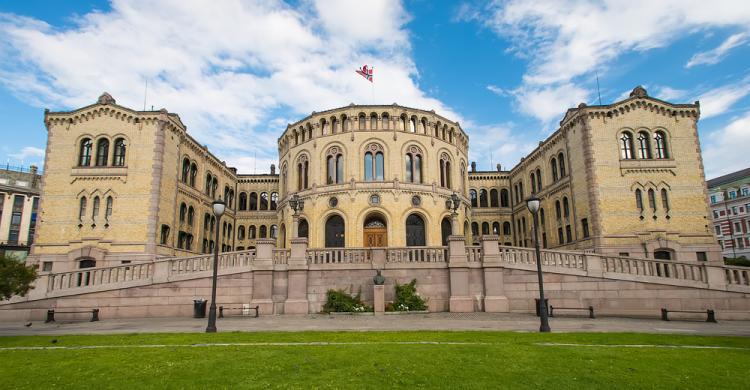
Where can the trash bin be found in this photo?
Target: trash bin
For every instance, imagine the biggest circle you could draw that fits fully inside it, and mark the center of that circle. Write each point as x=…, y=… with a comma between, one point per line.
x=536, y=301
x=199, y=308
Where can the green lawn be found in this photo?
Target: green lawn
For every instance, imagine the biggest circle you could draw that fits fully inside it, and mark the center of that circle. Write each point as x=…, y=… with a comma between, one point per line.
x=376, y=360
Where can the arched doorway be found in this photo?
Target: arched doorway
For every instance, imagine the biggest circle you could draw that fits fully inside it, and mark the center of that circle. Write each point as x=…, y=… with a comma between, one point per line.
x=303, y=230
x=415, y=231
x=445, y=230
x=375, y=231
x=335, y=232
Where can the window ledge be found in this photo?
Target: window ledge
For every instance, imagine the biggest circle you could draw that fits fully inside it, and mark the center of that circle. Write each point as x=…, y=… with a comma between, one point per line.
x=99, y=171
x=647, y=164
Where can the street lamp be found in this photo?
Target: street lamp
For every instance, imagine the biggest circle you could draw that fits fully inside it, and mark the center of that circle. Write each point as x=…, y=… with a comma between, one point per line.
x=218, y=206
x=533, y=203
x=297, y=205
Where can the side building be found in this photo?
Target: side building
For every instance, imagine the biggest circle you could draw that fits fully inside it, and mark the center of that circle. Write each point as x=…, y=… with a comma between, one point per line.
x=729, y=199
x=19, y=204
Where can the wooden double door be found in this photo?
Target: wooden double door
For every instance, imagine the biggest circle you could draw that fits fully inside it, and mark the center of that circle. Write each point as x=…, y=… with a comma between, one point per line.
x=376, y=237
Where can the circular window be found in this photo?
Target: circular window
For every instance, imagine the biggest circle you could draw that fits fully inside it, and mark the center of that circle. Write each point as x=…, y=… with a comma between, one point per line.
x=333, y=202
x=375, y=199
x=416, y=201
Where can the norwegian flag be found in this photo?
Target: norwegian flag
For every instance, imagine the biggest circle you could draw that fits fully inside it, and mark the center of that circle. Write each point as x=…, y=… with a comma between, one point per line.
x=365, y=72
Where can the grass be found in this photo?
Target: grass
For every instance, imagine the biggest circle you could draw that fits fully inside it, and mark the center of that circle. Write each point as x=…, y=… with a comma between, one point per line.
x=491, y=360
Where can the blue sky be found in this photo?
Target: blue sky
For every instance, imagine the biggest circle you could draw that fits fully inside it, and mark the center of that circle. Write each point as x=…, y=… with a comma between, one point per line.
x=239, y=72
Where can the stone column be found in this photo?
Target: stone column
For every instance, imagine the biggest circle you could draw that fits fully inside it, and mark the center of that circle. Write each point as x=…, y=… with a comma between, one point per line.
x=41, y=285
x=263, y=275
x=717, y=277
x=161, y=270
x=458, y=266
x=495, y=300
x=296, y=296
x=295, y=225
x=594, y=265
x=454, y=223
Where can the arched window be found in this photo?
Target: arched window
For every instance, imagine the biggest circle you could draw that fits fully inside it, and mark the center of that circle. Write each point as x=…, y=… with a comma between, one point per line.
x=639, y=200
x=541, y=216
x=274, y=231
x=302, y=172
x=506, y=228
x=445, y=170
x=561, y=161
x=164, y=236
x=385, y=118
x=183, y=212
x=274, y=200
x=533, y=183
x=445, y=230
x=95, y=209
x=110, y=205
x=403, y=123
x=413, y=125
x=185, y=170
x=539, y=179
x=84, y=156
x=415, y=231
x=190, y=215
x=251, y=232
x=253, y=201
x=485, y=228
x=335, y=232
x=323, y=127
x=660, y=139
x=566, y=208
x=493, y=198
x=362, y=122
x=303, y=230
x=262, y=231
x=373, y=121
x=424, y=126
x=504, y=201
x=263, y=201
x=474, y=229
x=102, y=152
x=652, y=199
x=214, y=187
x=208, y=184
x=413, y=165
x=344, y=124
x=626, y=145
x=644, y=145
x=473, y=197
x=334, y=166
x=241, y=233
x=483, y=198
x=193, y=174
x=374, y=163
x=495, y=228
x=120, y=148
x=665, y=200
x=243, y=202
x=334, y=125
x=553, y=166
x=557, y=210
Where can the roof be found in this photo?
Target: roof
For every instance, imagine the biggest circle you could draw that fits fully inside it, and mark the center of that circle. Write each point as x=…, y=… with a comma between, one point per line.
x=729, y=178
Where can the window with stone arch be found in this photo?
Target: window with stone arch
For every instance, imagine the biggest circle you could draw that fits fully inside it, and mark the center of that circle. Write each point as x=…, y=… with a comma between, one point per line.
x=253, y=202
x=483, y=198
x=415, y=230
x=303, y=167
x=274, y=200
x=334, y=125
x=533, y=182
x=207, y=190
x=385, y=118
x=494, y=198
x=425, y=126
x=413, y=124
x=644, y=145
x=652, y=199
x=344, y=123
x=539, y=179
x=506, y=228
x=665, y=200
x=473, y=197
x=639, y=200
x=373, y=121
x=185, y=170
x=119, y=157
x=263, y=201
x=243, y=202
x=504, y=198
x=362, y=121
x=102, y=152
x=374, y=162
x=334, y=165
x=553, y=167
x=626, y=145
x=193, y=174
x=660, y=143
x=445, y=170
x=413, y=160
x=561, y=161
x=323, y=127
x=84, y=156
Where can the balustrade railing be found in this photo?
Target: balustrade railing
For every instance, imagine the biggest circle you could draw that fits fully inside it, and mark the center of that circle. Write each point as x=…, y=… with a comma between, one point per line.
x=339, y=256
x=99, y=276
x=737, y=275
x=281, y=256
x=563, y=259
x=653, y=267
x=517, y=255
x=186, y=265
x=417, y=254
x=474, y=254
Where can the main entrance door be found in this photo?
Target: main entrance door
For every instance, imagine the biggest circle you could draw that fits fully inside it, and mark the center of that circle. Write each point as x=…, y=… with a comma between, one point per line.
x=375, y=232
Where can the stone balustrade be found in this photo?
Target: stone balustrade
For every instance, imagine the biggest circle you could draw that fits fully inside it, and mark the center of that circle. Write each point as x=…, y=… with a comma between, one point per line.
x=188, y=265
x=99, y=276
x=654, y=268
x=281, y=256
x=339, y=256
x=474, y=254
x=737, y=275
x=417, y=254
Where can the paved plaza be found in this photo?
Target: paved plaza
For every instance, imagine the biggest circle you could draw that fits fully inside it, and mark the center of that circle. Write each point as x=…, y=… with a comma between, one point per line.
x=401, y=322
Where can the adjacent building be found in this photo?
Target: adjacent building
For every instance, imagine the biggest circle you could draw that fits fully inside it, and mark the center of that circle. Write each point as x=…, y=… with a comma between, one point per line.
x=729, y=199
x=19, y=203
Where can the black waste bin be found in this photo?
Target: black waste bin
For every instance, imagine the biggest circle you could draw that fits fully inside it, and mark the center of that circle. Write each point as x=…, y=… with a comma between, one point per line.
x=536, y=302
x=199, y=308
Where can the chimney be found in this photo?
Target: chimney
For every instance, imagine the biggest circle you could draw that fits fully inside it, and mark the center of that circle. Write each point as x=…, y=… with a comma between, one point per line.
x=498, y=168
x=273, y=169
x=473, y=166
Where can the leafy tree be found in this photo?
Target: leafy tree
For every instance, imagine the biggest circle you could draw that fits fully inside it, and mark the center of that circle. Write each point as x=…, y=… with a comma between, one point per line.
x=15, y=277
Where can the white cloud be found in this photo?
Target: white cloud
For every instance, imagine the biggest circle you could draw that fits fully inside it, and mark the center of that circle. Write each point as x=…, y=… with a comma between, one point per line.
x=226, y=70
x=717, y=101
x=726, y=150
x=497, y=143
x=713, y=56
x=669, y=94
x=29, y=153
x=549, y=103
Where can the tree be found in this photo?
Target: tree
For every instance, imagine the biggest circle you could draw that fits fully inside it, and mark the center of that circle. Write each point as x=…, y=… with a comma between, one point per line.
x=15, y=277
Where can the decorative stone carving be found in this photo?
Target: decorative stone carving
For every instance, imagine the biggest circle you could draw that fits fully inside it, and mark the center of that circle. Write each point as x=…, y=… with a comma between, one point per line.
x=106, y=98
x=639, y=91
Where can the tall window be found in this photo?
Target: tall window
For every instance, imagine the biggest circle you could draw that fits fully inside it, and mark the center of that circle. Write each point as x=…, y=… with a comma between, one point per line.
x=533, y=183
x=485, y=228
x=483, y=198
x=664, y=200
x=413, y=160
x=474, y=229
x=445, y=171
x=334, y=233
x=506, y=228
x=374, y=163
x=413, y=125
x=473, y=197
x=385, y=119
x=651, y=199
x=95, y=209
x=553, y=166
x=185, y=170
x=251, y=232
x=84, y=157
x=120, y=148
x=32, y=221
x=504, y=201
x=243, y=202
x=323, y=127
x=303, y=230
x=263, y=201
x=344, y=124
x=566, y=208
x=334, y=166
x=253, y=204
x=334, y=125
x=644, y=147
x=193, y=174
x=190, y=215
x=373, y=121
x=660, y=139
x=626, y=145
x=183, y=212
x=108, y=212
x=208, y=184
x=102, y=152
x=557, y=210
x=240, y=232
x=15, y=219
x=164, y=236
x=493, y=198
x=415, y=231
x=585, y=227
x=82, y=208
x=302, y=172
x=274, y=200
x=362, y=121
x=539, y=179
x=561, y=161
x=639, y=200
x=274, y=231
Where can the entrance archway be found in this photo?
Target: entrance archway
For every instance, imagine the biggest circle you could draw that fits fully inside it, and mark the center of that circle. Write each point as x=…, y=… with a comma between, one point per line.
x=415, y=234
x=335, y=232
x=375, y=231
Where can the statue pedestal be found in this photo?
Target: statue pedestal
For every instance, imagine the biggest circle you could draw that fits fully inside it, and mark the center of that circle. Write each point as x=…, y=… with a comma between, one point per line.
x=379, y=294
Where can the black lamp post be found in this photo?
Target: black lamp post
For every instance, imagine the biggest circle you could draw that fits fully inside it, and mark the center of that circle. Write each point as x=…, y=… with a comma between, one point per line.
x=533, y=203
x=218, y=206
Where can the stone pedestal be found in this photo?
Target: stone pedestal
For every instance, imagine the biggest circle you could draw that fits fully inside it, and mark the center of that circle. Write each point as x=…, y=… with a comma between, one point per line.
x=495, y=300
x=263, y=275
x=296, y=295
x=379, y=294
x=460, y=300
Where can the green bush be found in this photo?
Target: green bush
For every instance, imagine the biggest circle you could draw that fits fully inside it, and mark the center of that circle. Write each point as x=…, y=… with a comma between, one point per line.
x=339, y=301
x=15, y=277
x=407, y=298
x=737, y=261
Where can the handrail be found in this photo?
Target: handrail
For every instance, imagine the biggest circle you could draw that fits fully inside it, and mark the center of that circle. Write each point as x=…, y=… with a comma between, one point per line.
x=417, y=254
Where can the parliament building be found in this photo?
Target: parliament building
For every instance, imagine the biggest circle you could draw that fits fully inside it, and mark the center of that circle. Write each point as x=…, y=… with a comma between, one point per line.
x=122, y=185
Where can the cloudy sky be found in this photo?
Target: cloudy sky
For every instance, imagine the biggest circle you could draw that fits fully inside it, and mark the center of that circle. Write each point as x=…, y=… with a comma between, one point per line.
x=239, y=72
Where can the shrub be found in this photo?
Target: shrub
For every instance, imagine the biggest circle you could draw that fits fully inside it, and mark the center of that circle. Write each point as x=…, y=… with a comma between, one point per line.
x=407, y=298
x=737, y=261
x=15, y=277
x=339, y=301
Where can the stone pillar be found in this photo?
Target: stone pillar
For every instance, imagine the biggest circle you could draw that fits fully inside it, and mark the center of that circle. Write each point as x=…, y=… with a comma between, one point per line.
x=378, y=258
x=41, y=285
x=379, y=294
x=594, y=265
x=263, y=275
x=161, y=270
x=296, y=295
x=295, y=225
x=717, y=277
x=458, y=266
x=454, y=223
x=495, y=300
